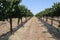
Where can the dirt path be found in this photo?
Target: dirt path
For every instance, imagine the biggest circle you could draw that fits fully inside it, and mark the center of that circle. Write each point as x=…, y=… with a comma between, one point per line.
x=32, y=30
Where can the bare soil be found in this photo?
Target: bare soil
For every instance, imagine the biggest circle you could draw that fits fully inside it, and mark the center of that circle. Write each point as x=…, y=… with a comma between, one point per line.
x=32, y=30
x=5, y=25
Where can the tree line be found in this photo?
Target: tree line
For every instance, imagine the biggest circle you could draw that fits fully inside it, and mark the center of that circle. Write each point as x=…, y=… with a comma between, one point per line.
x=51, y=12
x=54, y=11
x=12, y=9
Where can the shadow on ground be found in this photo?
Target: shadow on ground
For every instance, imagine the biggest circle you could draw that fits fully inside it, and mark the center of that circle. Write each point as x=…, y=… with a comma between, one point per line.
x=8, y=34
x=51, y=29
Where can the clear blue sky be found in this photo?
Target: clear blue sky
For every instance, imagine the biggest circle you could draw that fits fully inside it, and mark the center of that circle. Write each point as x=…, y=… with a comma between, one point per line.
x=38, y=5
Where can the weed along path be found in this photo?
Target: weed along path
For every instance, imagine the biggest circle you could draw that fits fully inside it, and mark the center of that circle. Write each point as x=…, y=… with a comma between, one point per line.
x=32, y=30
